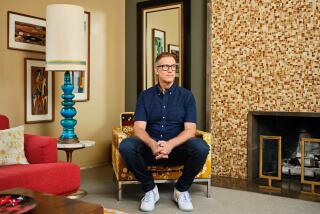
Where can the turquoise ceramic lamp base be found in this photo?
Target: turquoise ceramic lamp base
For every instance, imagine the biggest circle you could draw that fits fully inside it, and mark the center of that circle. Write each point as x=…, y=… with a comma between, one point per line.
x=68, y=112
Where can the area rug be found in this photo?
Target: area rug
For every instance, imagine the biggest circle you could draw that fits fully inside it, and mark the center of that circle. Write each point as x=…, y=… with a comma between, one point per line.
x=110, y=211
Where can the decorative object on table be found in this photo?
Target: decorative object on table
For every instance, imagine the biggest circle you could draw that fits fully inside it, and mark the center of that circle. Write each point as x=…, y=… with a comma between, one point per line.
x=174, y=49
x=65, y=51
x=270, y=146
x=158, y=46
x=315, y=181
x=39, y=92
x=26, y=32
x=12, y=146
x=12, y=203
x=81, y=79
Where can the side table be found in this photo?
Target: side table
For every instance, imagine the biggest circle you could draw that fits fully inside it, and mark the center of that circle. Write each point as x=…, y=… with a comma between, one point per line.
x=69, y=148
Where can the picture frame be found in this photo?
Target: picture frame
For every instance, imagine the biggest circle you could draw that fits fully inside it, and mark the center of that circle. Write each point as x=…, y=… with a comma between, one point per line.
x=25, y=32
x=158, y=46
x=39, y=92
x=81, y=79
x=174, y=49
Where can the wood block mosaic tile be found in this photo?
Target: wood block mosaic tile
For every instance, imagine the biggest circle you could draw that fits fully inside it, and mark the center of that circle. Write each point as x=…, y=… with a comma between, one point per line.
x=265, y=57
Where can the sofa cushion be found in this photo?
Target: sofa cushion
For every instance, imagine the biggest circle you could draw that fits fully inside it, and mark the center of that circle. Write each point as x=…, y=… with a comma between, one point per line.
x=40, y=149
x=12, y=146
x=54, y=178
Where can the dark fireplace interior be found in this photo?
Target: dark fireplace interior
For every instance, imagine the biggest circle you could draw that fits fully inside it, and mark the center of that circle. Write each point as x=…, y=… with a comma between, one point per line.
x=291, y=127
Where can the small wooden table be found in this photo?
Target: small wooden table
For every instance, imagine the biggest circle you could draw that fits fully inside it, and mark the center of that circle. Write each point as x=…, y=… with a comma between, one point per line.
x=69, y=148
x=51, y=204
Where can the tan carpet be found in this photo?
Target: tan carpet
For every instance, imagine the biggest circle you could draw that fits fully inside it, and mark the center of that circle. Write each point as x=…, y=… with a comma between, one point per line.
x=101, y=190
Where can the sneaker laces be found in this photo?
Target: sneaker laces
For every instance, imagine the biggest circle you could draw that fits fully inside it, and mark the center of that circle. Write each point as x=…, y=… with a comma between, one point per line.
x=185, y=197
x=148, y=196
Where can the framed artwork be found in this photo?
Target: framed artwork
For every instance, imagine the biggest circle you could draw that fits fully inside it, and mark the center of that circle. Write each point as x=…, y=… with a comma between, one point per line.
x=81, y=79
x=174, y=49
x=26, y=32
x=158, y=46
x=39, y=92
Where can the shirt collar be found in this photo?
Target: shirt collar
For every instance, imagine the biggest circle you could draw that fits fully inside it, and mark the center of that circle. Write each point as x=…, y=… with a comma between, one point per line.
x=169, y=90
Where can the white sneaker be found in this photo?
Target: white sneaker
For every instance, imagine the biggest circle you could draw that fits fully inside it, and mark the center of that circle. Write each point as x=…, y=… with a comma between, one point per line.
x=149, y=200
x=183, y=200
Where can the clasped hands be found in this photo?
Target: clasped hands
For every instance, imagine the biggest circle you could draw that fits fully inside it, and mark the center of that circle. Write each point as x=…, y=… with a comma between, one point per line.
x=161, y=149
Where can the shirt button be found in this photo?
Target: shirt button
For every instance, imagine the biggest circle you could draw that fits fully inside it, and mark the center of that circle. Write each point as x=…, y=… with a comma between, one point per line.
x=161, y=136
x=163, y=117
x=170, y=93
x=164, y=106
x=162, y=126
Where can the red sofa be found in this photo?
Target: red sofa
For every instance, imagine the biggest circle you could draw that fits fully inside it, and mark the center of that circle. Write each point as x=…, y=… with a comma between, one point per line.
x=44, y=173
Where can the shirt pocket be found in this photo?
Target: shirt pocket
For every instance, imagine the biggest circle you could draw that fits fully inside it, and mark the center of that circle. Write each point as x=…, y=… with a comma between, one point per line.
x=176, y=114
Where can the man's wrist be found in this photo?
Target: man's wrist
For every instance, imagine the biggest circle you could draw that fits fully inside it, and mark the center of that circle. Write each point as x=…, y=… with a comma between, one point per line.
x=171, y=144
x=151, y=142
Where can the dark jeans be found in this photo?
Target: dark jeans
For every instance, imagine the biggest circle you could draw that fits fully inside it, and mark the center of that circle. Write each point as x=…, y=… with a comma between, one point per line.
x=137, y=155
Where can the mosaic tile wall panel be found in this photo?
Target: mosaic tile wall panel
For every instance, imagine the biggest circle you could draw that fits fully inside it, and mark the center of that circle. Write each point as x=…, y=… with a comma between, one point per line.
x=265, y=57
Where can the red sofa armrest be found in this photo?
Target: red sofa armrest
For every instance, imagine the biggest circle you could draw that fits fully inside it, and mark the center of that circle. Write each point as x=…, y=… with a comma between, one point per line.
x=40, y=149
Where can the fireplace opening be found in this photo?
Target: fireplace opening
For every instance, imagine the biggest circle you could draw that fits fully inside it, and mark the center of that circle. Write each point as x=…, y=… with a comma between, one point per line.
x=292, y=128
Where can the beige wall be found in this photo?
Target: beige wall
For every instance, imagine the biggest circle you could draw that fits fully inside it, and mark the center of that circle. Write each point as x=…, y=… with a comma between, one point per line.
x=265, y=57
x=95, y=117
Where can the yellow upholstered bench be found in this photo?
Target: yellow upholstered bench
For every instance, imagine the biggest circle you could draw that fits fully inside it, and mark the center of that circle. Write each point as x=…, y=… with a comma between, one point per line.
x=161, y=174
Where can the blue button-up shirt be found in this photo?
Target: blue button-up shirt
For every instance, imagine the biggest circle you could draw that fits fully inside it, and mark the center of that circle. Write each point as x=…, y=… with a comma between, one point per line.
x=165, y=113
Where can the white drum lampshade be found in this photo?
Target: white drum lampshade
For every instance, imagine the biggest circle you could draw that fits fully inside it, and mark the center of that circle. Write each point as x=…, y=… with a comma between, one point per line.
x=65, y=38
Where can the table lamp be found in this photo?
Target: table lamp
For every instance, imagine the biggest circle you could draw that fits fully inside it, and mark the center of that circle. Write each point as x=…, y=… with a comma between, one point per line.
x=65, y=51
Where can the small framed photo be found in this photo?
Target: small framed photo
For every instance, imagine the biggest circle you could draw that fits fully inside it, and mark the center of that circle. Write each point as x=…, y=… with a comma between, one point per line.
x=174, y=49
x=158, y=46
x=81, y=79
x=26, y=32
x=39, y=92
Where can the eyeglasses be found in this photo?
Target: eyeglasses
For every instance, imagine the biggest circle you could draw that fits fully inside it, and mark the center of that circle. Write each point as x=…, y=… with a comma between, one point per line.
x=173, y=67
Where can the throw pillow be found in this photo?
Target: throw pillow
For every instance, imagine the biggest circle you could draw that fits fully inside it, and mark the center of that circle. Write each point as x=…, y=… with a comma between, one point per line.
x=12, y=146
